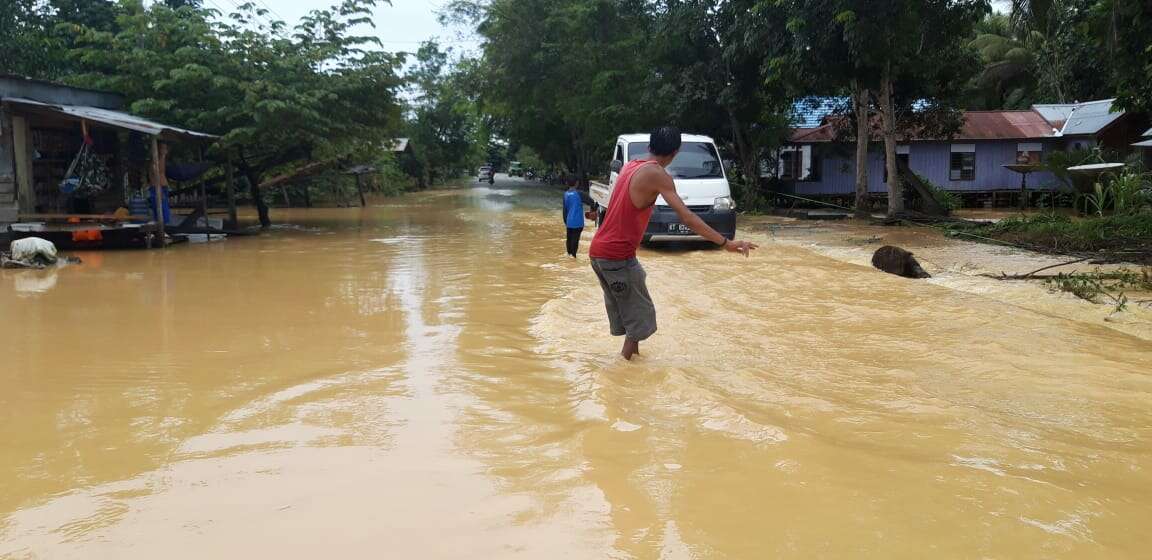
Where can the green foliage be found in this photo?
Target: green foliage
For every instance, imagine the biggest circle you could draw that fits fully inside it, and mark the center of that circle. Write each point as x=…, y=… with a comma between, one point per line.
x=1057, y=163
x=27, y=45
x=1007, y=80
x=1131, y=192
x=275, y=99
x=444, y=123
x=1103, y=287
x=947, y=200
x=562, y=76
x=1061, y=233
x=1098, y=200
x=1131, y=51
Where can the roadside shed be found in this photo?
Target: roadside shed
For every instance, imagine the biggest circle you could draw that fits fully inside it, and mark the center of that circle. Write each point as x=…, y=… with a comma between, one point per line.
x=69, y=154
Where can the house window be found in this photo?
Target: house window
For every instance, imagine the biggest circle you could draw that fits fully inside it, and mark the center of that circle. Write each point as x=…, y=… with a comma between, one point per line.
x=963, y=163
x=798, y=163
x=791, y=164
x=1029, y=152
x=813, y=171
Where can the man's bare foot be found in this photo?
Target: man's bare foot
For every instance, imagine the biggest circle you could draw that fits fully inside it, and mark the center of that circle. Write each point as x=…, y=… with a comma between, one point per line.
x=631, y=347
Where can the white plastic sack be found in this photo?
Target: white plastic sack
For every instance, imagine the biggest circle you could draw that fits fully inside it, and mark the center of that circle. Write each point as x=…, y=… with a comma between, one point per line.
x=29, y=248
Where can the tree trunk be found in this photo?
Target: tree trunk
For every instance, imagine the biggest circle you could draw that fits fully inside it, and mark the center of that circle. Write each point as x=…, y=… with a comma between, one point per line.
x=258, y=200
x=257, y=194
x=749, y=166
x=360, y=190
x=860, y=107
x=888, y=125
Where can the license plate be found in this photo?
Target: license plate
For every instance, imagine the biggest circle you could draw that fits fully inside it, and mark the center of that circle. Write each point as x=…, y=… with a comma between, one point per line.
x=679, y=228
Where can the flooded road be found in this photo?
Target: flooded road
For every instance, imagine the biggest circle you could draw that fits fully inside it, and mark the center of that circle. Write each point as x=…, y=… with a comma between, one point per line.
x=432, y=378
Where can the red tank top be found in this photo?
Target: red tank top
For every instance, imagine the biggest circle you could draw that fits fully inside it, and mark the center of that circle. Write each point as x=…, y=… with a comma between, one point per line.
x=624, y=224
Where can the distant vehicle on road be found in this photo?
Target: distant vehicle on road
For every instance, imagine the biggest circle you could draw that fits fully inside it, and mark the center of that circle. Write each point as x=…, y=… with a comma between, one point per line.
x=485, y=174
x=700, y=179
x=515, y=169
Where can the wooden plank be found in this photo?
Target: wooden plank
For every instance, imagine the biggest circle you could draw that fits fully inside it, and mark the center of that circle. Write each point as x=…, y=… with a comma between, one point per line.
x=230, y=189
x=33, y=217
x=22, y=146
x=158, y=174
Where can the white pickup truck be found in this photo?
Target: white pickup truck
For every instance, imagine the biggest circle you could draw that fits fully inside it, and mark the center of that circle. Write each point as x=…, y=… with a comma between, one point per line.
x=700, y=180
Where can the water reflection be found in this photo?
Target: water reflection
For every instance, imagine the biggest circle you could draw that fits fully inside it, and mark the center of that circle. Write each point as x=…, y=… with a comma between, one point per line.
x=431, y=378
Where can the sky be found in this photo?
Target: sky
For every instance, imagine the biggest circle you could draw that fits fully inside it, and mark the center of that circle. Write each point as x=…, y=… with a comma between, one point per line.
x=400, y=27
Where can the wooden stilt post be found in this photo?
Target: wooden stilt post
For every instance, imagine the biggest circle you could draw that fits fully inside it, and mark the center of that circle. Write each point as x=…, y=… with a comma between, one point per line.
x=230, y=189
x=158, y=189
x=360, y=190
x=203, y=192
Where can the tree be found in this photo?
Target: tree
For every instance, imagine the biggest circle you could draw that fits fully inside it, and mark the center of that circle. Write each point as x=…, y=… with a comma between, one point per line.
x=567, y=92
x=827, y=60
x=1130, y=23
x=1008, y=79
x=444, y=123
x=714, y=74
x=917, y=47
x=279, y=102
x=27, y=45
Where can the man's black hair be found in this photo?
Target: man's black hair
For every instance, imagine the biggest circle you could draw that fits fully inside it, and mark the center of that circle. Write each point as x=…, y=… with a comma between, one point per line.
x=664, y=141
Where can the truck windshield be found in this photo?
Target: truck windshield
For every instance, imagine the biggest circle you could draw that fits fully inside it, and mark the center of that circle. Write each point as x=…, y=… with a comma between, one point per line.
x=696, y=160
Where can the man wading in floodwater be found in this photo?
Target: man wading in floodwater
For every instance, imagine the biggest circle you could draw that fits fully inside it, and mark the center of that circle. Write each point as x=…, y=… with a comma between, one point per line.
x=613, y=252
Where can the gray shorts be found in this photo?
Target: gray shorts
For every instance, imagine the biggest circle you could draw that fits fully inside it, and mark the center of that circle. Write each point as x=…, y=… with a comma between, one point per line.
x=630, y=309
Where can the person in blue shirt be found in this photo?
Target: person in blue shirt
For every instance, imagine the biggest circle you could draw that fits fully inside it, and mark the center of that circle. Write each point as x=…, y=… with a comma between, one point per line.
x=573, y=218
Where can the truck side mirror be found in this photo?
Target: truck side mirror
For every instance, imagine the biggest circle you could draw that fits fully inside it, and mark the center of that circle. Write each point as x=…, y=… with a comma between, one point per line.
x=616, y=165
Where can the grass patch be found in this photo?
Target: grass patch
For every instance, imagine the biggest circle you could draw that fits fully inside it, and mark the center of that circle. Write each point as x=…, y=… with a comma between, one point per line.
x=1056, y=233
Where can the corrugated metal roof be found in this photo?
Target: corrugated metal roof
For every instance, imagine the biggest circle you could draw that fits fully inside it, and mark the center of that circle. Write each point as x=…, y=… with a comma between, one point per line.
x=1147, y=133
x=113, y=118
x=998, y=125
x=1090, y=118
x=1055, y=113
x=1144, y=144
x=978, y=125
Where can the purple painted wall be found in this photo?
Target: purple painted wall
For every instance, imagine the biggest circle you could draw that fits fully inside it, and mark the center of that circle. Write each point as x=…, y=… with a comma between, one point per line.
x=932, y=161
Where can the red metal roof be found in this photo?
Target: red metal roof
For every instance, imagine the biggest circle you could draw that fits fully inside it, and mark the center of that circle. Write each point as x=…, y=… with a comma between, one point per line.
x=999, y=125
x=978, y=125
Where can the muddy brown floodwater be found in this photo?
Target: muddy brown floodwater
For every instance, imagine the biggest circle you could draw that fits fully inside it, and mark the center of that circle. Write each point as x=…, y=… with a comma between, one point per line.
x=432, y=378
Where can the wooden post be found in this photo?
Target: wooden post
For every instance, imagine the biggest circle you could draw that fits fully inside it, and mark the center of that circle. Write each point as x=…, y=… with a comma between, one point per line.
x=203, y=192
x=230, y=189
x=1023, y=191
x=158, y=188
x=360, y=190
x=22, y=149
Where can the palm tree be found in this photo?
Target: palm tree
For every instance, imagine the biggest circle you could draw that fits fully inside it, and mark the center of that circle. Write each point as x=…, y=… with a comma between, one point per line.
x=1008, y=80
x=1028, y=16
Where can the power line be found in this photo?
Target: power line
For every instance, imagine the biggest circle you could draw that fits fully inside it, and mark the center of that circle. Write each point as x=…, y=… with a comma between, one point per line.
x=274, y=12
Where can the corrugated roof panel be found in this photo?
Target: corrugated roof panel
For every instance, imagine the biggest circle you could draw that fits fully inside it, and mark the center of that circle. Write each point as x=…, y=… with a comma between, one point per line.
x=1000, y=125
x=978, y=125
x=1055, y=113
x=1090, y=118
x=113, y=118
